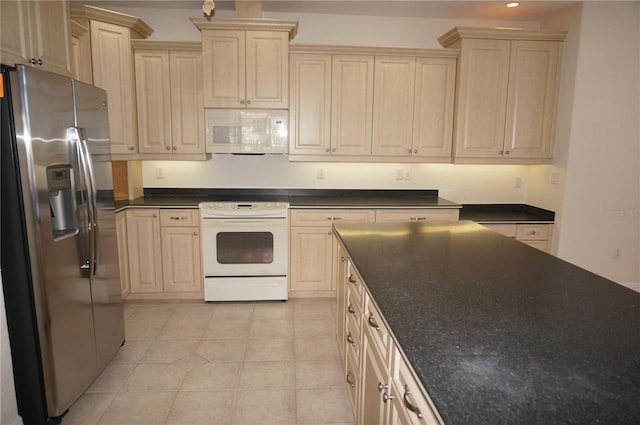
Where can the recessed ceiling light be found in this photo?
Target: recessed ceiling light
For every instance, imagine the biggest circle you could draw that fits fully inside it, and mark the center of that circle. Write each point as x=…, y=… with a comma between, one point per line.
x=513, y=4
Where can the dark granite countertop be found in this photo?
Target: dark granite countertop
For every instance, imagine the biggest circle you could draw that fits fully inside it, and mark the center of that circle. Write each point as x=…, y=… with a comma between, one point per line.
x=499, y=332
x=505, y=213
x=298, y=198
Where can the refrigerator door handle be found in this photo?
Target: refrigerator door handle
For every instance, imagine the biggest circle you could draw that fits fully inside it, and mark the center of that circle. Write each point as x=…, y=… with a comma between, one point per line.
x=93, y=202
x=73, y=135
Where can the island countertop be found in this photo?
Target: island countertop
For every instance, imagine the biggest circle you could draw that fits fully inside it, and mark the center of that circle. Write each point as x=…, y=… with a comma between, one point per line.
x=499, y=332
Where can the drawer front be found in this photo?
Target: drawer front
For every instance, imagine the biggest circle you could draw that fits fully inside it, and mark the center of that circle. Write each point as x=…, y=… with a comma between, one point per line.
x=354, y=283
x=414, y=403
x=541, y=245
x=181, y=217
x=532, y=232
x=503, y=229
x=352, y=375
x=354, y=314
x=352, y=339
x=324, y=217
x=372, y=320
x=417, y=215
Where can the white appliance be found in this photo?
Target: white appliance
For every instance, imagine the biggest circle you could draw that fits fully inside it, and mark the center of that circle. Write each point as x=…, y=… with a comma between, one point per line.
x=247, y=131
x=245, y=250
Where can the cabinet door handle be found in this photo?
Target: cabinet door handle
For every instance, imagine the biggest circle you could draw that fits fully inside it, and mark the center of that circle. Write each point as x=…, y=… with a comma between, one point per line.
x=174, y=148
x=131, y=148
x=248, y=102
x=351, y=379
x=155, y=215
x=372, y=322
x=195, y=233
x=351, y=310
x=168, y=148
x=350, y=339
x=386, y=397
x=242, y=101
x=382, y=387
x=353, y=280
x=415, y=151
x=409, y=150
x=507, y=152
x=327, y=150
x=343, y=259
x=408, y=404
x=501, y=152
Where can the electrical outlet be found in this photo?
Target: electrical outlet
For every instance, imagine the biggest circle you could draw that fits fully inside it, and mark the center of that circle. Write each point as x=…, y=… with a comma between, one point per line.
x=399, y=174
x=159, y=173
x=320, y=174
x=518, y=183
x=555, y=178
x=407, y=174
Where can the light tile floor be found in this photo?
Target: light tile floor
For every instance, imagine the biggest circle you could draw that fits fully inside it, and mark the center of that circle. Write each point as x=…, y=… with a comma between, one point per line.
x=221, y=363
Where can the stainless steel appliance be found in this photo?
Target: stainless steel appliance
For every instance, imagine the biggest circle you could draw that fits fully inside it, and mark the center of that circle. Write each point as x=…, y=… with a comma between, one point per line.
x=247, y=131
x=245, y=250
x=60, y=269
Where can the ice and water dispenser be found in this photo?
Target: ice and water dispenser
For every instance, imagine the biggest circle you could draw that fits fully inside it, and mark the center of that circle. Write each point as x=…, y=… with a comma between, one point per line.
x=61, y=200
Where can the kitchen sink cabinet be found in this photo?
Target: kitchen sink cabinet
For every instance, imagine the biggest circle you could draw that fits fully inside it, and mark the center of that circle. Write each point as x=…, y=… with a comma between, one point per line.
x=37, y=33
x=169, y=100
x=163, y=253
x=507, y=94
x=312, y=249
x=246, y=62
x=112, y=68
x=371, y=104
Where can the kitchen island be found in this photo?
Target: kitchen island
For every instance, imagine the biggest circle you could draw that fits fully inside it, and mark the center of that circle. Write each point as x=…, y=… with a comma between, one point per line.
x=497, y=332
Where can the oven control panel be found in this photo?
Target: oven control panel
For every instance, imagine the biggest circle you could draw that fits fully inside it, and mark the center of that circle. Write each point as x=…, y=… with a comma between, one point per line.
x=243, y=209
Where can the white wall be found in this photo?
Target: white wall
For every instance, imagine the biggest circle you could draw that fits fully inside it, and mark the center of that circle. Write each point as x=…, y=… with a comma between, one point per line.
x=598, y=157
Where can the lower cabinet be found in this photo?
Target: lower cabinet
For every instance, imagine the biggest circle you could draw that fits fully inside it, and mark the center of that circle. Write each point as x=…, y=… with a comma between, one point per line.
x=381, y=385
x=123, y=253
x=313, y=247
x=537, y=235
x=164, y=253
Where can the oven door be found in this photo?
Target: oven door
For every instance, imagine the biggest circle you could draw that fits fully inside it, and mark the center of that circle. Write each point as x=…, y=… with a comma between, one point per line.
x=245, y=247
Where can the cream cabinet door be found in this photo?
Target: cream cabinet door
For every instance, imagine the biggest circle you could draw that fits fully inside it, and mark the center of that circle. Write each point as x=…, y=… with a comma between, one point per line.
x=351, y=104
x=37, y=33
x=187, y=116
x=533, y=86
x=123, y=253
x=310, y=104
x=267, y=69
x=153, y=101
x=181, y=270
x=112, y=62
x=393, y=105
x=81, y=53
x=482, y=93
x=223, y=62
x=311, y=258
x=374, y=383
x=145, y=250
x=433, y=108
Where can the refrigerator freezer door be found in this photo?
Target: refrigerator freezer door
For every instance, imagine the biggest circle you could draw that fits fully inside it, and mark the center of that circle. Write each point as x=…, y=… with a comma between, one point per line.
x=43, y=113
x=92, y=120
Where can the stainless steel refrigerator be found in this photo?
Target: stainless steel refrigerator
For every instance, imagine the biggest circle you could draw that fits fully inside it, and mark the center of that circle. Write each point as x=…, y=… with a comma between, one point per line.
x=60, y=271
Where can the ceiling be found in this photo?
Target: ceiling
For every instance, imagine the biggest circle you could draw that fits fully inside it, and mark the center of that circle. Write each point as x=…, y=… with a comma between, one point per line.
x=495, y=10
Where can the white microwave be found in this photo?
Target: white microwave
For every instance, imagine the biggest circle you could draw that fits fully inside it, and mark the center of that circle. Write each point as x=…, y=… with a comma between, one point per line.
x=247, y=131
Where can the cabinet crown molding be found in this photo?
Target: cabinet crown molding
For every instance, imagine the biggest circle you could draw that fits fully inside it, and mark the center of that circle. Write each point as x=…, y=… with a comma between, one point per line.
x=371, y=50
x=498, y=33
x=83, y=11
x=251, y=24
x=196, y=46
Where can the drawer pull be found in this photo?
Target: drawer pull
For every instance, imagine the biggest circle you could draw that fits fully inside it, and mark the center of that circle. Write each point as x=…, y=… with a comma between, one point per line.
x=334, y=218
x=343, y=259
x=533, y=232
x=372, y=322
x=418, y=218
x=350, y=339
x=382, y=387
x=351, y=379
x=386, y=397
x=408, y=404
x=351, y=310
x=352, y=279
x=178, y=218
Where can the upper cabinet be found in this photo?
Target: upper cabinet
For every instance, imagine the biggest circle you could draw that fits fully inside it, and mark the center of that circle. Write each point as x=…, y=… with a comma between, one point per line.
x=112, y=67
x=169, y=100
x=245, y=62
x=507, y=90
x=371, y=104
x=36, y=32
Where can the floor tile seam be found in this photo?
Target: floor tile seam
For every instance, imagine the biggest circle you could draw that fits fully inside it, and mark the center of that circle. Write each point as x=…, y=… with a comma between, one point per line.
x=113, y=397
x=166, y=414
